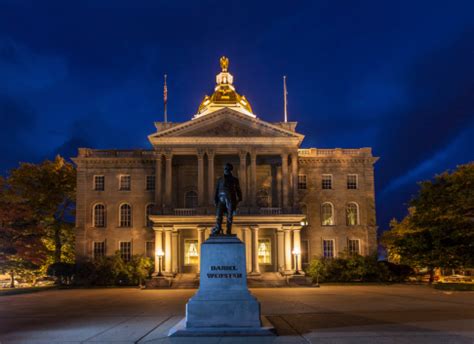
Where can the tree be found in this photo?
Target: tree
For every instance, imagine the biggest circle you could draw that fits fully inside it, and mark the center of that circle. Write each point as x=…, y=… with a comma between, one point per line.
x=21, y=245
x=48, y=189
x=438, y=231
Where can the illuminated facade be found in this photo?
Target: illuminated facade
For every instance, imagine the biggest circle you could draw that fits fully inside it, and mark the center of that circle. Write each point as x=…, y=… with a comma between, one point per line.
x=297, y=203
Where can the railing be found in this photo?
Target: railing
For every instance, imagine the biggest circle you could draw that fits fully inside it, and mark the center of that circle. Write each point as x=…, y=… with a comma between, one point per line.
x=185, y=211
x=315, y=152
x=270, y=211
x=113, y=153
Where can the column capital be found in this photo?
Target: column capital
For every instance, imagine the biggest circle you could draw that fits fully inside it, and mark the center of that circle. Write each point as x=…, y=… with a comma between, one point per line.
x=284, y=155
x=243, y=154
x=211, y=153
x=201, y=228
x=168, y=153
x=200, y=153
x=158, y=229
x=158, y=153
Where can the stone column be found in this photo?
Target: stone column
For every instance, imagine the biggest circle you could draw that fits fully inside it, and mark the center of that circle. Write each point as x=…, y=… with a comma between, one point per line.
x=200, y=181
x=297, y=245
x=243, y=174
x=207, y=233
x=255, y=267
x=169, y=178
x=281, y=250
x=294, y=175
x=201, y=232
x=248, y=247
x=210, y=176
x=253, y=179
x=158, y=191
x=284, y=175
x=174, y=251
x=288, y=255
x=279, y=191
x=158, y=247
x=168, y=251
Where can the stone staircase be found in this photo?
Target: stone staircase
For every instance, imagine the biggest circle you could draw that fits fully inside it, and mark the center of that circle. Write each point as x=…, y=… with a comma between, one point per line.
x=267, y=280
x=185, y=281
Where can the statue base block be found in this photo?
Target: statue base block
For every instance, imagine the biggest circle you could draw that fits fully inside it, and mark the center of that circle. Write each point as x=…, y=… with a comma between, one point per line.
x=180, y=330
x=223, y=305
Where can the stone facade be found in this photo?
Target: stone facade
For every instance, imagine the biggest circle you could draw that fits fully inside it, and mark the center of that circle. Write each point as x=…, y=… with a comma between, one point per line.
x=298, y=203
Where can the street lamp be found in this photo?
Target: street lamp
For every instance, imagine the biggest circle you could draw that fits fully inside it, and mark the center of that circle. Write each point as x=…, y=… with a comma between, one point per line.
x=160, y=255
x=296, y=252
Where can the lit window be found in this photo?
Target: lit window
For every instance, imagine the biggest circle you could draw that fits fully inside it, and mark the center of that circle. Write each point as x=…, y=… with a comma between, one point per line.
x=328, y=248
x=264, y=251
x=327, y=214
x=148, y=212
x=99, y=183
x=191, y=255
x=125, y=215
x=126, y=250
x=352, y=181
x=326, y=181
x=150, y=183
x=150, y=249
x=191, y=199
x=352, y=214
x=353, y=246
x=99, y=215
x=99, y=249
x=302, y=182
x=125, y=183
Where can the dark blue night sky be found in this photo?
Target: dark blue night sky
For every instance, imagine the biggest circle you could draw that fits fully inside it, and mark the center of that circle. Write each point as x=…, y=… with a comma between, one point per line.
x=394, y=75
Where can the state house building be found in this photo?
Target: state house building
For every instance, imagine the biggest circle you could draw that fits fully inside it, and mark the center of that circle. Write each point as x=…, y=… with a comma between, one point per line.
x=297, y=203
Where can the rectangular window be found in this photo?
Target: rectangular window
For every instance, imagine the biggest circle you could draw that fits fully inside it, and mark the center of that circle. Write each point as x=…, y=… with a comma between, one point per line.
x=126, y=250
x=99, y=249
x=99, y=183
x=326, y=183
x=191, y=255
x=150, y=249
x=304, y=252
x=328, y=248
x=352, y=181
x=125, y=183
x=264, y=251
x=302, y=182
x=150, y=183
x=353, y=246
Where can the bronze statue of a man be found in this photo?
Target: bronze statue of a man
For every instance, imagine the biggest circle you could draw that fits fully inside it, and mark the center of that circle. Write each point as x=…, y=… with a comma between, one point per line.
x=227, y=197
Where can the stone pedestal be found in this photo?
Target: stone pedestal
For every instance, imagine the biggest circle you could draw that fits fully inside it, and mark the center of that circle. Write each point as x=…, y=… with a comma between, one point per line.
x=223, y=304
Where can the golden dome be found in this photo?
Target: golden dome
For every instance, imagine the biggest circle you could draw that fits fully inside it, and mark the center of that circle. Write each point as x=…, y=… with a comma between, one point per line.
x=224, y=94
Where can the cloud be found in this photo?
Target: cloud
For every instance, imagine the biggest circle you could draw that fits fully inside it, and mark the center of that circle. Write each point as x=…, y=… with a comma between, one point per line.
x=24, y=70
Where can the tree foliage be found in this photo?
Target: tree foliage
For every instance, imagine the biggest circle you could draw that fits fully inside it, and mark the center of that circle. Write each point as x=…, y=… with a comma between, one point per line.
x=49, y=189
x=36, y=217
x=438, y=231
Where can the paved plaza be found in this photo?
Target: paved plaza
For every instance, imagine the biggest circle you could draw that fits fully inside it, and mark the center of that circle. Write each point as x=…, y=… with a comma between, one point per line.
x=331, y=314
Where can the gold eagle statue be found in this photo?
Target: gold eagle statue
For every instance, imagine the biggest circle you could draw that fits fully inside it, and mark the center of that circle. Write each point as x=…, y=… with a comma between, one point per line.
x=224, y=63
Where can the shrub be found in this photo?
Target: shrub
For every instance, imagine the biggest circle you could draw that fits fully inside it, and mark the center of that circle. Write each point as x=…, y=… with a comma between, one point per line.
x=355, y=268
x=113, y=270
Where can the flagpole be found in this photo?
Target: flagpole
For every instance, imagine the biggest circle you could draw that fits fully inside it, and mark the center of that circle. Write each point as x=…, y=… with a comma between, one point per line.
x=165, y=100
x=285, y=104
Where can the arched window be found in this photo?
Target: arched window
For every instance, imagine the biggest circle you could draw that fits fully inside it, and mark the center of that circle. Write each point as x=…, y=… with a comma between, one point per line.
x=125, y=215
x=352, y=214
x=99, y=215
x=327, y=214
x=190, y=199
x=263, y=199
x=148, y=212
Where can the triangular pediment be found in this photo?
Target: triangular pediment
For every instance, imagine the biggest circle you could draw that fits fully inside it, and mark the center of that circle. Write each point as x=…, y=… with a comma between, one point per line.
x=226, y=123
